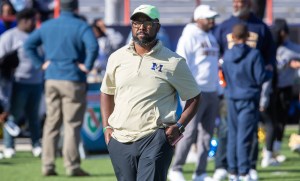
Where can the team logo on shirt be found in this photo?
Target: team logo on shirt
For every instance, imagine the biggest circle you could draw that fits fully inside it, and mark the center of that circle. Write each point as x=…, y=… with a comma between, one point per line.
x=251, y=41
x=156, y=67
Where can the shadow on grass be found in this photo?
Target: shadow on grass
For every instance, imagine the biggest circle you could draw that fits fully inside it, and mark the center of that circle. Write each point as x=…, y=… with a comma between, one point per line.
x=5, y=163
x=280, y=170
x=64, y=176
x=286, y=178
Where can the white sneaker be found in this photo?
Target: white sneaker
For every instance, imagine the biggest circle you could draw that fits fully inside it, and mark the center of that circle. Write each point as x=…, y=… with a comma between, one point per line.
x=245, y=178
x=280, y=158
x=8, y=152
x=11, y=127
x=175, y=175
x=267, y=159
x=232, y=177
x=253, y=175
x=37, y=151
x=202, y=177
x=276, y=149
x=265, y=162
x=220, y=174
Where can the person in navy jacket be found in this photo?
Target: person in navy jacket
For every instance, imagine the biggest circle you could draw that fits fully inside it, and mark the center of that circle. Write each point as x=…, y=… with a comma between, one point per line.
x=245, y=72
x=261, y=39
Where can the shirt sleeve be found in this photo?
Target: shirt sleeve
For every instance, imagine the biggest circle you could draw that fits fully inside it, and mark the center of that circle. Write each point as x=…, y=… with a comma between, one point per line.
x=31, y=48
x=184, y=82
x=108, y=85
x=91, y=46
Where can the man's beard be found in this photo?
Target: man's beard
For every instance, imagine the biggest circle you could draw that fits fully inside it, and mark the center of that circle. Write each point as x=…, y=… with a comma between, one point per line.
x=145, y=41
x=241, y=12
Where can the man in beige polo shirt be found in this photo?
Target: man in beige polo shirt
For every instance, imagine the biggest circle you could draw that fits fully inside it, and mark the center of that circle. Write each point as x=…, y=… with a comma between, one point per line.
x=139, y=101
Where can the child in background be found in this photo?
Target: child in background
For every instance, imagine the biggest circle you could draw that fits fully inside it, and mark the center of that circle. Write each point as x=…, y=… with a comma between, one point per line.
x=244, y=73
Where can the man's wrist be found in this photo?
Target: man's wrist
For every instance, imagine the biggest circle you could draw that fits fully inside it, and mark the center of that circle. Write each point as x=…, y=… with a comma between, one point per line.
x=180, y=127
x=106, y=127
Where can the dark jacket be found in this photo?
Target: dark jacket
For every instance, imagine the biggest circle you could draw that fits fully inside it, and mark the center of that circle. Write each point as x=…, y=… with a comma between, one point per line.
x=260, y=36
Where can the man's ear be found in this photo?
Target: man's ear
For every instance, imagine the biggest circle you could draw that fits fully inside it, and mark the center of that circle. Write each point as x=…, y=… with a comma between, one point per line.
x=158, y=27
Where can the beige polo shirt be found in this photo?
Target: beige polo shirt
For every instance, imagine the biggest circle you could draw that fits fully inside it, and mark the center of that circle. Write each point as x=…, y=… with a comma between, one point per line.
x=144, y=90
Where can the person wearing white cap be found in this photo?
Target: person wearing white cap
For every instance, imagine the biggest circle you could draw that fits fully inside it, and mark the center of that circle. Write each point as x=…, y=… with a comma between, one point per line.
x=138, y=101
x=199, y=47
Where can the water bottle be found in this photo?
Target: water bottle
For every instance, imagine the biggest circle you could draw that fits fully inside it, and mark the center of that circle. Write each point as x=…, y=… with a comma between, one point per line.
x=213, y=147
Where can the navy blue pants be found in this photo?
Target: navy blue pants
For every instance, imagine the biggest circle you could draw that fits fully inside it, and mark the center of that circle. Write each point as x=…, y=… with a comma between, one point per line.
x=146, y=159
x=243, y=116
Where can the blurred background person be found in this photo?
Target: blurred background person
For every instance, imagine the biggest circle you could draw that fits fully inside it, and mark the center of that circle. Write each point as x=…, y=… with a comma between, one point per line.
x=70, y=51
x=7, y=16
x=288, y=62
x=260, y=38
x=104, y=50
x=201, y=51
x=27, y=86
x=8, y=63
x=114, y=37
x=244, y=73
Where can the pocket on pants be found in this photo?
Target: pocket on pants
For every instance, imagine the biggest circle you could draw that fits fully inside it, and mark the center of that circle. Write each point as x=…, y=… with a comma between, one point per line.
x=109, y=143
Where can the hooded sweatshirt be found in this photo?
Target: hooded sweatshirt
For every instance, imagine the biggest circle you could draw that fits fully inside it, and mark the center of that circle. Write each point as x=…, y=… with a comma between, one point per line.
x=244, y=72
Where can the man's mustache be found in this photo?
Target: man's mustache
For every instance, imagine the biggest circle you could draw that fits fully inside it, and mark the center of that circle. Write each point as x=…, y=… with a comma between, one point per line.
x=138, y=33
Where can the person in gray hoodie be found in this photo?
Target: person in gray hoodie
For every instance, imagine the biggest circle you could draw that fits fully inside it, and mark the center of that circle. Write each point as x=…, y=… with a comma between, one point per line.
x=244, y=72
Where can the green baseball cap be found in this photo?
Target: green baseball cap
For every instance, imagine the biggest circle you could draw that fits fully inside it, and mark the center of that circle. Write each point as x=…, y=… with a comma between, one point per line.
x=148, y=10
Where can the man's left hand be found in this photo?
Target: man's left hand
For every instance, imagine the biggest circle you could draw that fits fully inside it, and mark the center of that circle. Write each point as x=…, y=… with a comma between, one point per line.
x=172, y=133
x=83, y=68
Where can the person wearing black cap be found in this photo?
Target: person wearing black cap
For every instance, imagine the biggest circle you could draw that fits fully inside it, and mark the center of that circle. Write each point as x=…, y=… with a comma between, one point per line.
x=138, y=101
x=70, y=51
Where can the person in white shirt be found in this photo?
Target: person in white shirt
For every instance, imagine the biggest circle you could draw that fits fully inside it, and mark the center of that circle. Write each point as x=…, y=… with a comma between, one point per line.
x=201, y=51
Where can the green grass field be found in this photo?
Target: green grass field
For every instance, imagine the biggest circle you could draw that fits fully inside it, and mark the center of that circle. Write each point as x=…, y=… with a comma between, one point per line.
x=24, y=167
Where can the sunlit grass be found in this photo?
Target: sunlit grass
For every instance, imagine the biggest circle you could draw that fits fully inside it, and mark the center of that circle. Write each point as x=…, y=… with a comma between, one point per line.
x=24, y=167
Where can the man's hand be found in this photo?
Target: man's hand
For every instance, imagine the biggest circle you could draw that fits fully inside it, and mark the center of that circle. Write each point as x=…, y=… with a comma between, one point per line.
x=172, y=133
x=3, y=117
x=107, y=135
x=294, y=64
x=45, y=65
x=82, y=67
